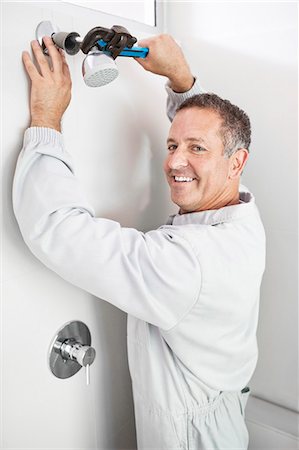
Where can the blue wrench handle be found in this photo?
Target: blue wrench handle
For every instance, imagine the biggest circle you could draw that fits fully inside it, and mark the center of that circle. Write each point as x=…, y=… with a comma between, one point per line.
x=135, y=52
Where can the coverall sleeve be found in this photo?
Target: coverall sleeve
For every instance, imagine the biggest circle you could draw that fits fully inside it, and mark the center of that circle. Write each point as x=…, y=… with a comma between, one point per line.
x=148, y=275
x=175, y=99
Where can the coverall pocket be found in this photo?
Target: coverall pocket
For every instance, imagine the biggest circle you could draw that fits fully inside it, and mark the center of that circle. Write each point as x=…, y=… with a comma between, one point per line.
x=155, y=428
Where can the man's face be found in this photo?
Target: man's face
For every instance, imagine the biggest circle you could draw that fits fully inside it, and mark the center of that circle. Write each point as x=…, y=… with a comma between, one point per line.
x=195, y=152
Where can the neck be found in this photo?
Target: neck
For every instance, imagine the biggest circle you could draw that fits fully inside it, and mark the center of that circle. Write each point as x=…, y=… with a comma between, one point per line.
x=227, y=199
x=230, y=196
x=235, y=200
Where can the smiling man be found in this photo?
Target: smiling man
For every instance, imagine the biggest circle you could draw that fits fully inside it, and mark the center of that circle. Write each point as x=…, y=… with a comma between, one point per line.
x=191, y=287
x=201, y=172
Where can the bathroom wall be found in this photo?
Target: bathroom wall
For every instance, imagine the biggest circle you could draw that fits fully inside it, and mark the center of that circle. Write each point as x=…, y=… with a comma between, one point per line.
x=247, y=52
x=117, y=136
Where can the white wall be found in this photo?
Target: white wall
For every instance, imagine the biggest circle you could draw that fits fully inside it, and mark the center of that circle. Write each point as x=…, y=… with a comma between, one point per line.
x=116, y=135
x=247, y=52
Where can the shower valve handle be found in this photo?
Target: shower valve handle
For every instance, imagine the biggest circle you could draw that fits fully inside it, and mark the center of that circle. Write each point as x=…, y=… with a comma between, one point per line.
x=82, y=354
x=71, y=350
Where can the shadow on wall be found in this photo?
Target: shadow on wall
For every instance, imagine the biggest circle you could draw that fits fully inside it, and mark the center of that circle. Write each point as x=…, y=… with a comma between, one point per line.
x=137, y=151
x=155, y=126
x=111, y=330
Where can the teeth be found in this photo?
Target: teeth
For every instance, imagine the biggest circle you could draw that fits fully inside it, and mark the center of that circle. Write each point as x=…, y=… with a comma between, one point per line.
x=183, y=179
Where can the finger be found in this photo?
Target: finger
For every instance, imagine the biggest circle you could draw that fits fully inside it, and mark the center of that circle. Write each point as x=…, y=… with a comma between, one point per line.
x=40, y=58
x=54, y=53
x=65, y=67
x=30, y=67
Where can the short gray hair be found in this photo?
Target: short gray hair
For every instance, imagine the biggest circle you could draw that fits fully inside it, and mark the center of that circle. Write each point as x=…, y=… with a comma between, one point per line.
x=235, y=130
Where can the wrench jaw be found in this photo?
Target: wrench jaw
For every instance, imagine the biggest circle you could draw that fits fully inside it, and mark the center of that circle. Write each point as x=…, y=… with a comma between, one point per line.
x=113, y=39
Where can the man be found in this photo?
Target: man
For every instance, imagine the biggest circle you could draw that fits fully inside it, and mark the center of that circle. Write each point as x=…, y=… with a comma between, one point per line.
x=191, y=287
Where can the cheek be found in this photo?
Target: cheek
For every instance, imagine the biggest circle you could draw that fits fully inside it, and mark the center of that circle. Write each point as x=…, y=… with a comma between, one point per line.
x=165, y=164
x=222, y=166
x=215, y=171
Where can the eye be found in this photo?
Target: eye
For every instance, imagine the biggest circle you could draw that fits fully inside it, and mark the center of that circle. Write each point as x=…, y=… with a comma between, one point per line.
x=198, y=149
x=172, y=147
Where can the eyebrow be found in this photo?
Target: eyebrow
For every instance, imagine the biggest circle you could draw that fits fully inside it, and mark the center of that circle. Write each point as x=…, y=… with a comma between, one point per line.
x=190, y=139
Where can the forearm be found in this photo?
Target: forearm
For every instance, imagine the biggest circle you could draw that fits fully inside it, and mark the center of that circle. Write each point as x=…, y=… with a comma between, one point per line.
x=181, y=83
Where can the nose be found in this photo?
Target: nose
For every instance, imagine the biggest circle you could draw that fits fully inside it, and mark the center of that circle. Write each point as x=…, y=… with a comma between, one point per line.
x=177, y=159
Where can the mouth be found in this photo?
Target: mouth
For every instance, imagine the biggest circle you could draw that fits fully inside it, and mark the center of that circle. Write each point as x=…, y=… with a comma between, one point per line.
x=182, y=179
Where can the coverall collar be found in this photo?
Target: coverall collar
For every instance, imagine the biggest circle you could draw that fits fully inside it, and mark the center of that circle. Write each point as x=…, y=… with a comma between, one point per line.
x=216, y=216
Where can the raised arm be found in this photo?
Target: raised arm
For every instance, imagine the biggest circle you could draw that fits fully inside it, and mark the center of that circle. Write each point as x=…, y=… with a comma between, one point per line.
x=137, y=272
x=166, y=58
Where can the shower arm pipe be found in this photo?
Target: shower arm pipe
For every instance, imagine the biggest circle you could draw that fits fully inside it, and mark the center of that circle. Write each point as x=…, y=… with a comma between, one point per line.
x=114, y=42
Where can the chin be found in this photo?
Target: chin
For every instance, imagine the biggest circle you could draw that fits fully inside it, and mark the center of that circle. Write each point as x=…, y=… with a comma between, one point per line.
x=185, y=208
x=186, y=211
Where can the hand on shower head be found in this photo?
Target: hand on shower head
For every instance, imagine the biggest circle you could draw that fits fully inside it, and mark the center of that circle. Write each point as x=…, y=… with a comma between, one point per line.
x=50, y=86
x=166, y=58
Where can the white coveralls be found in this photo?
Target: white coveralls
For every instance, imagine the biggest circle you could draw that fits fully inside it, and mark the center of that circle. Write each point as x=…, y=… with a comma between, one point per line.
x=190, y=288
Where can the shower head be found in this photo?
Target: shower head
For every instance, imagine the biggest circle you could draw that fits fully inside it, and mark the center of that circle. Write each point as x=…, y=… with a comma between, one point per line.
x=98, y=69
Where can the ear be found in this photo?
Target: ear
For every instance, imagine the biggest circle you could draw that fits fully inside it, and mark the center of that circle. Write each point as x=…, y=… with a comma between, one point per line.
x=237, y=163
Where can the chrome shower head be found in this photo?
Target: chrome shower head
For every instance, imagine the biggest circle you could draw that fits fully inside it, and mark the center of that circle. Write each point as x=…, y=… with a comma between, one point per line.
x=98, y=69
